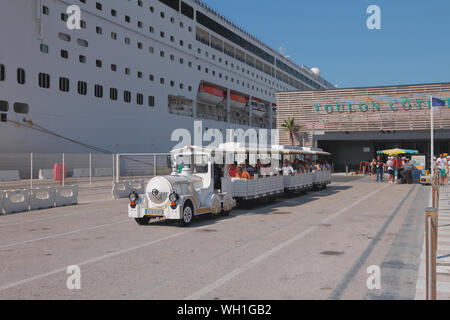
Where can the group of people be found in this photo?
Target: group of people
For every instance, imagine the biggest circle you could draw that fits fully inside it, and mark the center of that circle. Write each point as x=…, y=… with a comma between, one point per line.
x=246, y=171
x=303, y=166
x=399, y=168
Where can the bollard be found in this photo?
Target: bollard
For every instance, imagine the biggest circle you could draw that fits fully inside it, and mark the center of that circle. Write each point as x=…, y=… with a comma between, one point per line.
x=431, y=248
x=346, y=170
x=90, y=169
x=435, y=199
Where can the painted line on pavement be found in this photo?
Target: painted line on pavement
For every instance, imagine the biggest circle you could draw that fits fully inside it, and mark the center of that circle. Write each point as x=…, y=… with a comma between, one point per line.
x=110, y=255
x=62, y=234
x=343, y=284
x=219, y=282
x=27, y=221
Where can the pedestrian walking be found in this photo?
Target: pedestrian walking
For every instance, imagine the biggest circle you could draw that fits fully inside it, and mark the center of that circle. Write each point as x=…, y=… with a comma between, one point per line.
x=380, y=169
x=373, y=169
x=442, y=165
x=390, y=170
x=398, y=165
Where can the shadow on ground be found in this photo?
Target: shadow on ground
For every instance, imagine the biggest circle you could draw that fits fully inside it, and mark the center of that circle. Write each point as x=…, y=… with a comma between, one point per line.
x=264, y=207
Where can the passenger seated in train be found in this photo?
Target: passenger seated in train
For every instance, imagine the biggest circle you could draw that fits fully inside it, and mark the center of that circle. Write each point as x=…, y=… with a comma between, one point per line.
x=232, y=170
x=315, y=167
x=243, y=174
x=287, y=169
x=298, y=166
x=247, y=167
x=326, y=165
x=258, y=167
x=302, y=168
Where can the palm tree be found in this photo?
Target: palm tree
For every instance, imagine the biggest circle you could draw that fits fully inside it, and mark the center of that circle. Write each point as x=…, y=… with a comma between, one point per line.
x=289, y=126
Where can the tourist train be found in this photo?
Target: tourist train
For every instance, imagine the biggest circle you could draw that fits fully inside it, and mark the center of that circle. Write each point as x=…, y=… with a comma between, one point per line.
x=200, y=182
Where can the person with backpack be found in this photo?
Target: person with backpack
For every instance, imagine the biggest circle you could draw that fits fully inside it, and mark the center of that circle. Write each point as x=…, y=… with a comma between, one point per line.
x=380, y=169
x=390, y=169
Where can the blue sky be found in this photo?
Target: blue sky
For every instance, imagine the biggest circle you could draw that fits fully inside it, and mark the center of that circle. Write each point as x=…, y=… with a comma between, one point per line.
x=413, y=45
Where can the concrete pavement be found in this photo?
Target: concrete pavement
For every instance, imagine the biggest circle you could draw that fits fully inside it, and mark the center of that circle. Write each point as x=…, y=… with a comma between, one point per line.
x=314, y=246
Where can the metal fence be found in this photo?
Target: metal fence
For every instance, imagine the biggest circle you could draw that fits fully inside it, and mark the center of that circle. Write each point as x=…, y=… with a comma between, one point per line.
x=28, y=170
x=24, y=170
x=142, y=165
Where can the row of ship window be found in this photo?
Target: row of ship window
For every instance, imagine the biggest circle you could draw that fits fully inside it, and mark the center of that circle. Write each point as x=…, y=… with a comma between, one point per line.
x=283, y=66
x=82, y=87
x=99, y=64
x=127, y=71
x=99, y=30
x=127, y=18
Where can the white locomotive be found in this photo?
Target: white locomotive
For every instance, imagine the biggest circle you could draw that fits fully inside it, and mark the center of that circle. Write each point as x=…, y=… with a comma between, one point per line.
x=188, y=192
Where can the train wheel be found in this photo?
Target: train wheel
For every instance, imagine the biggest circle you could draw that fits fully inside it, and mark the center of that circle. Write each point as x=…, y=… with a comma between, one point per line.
x=225, y=213
x=143, y=221
x=188, y=215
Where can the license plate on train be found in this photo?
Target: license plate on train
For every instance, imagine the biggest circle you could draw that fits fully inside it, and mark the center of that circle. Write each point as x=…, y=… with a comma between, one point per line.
x=151, y=212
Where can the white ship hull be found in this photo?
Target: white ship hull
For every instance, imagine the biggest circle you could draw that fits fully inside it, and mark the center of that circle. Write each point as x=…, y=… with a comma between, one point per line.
x=113, y=125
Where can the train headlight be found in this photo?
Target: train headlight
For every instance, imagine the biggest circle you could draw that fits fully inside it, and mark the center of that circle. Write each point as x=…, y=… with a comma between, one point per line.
x=174, y=197
x=134, y=196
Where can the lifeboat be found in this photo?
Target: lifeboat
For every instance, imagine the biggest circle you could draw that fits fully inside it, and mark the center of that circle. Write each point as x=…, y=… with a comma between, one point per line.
x=258, y=108
x=210, y=95
x=237, y=101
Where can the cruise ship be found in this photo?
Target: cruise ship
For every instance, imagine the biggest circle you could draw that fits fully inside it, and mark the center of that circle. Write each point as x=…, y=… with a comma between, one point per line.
x=133, y=72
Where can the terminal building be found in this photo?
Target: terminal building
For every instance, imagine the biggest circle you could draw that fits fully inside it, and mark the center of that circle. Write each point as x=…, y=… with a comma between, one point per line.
x=354, y=123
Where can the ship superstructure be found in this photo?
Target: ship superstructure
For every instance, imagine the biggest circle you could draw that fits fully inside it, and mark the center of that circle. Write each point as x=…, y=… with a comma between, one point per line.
x=135, y=71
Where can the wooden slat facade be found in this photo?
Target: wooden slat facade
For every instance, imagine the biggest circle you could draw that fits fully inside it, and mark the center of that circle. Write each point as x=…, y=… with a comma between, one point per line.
x=302, y=107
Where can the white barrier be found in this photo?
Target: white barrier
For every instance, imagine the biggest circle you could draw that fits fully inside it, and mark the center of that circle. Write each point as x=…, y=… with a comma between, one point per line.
x=81, y=173
x=121, y=189
x=138, y=186
x=257, y=188
x=2, y=196
x=66, y=196
x=46, y=174
x=322, y=177
x=103, y=172
x=42, y=198
x=9, y=175
x=300, y=181
x=16, y=201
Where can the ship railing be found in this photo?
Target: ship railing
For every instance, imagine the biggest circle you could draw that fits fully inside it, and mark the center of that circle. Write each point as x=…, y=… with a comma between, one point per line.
x=205, y=6
x=216, y=46
x=229, y=52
